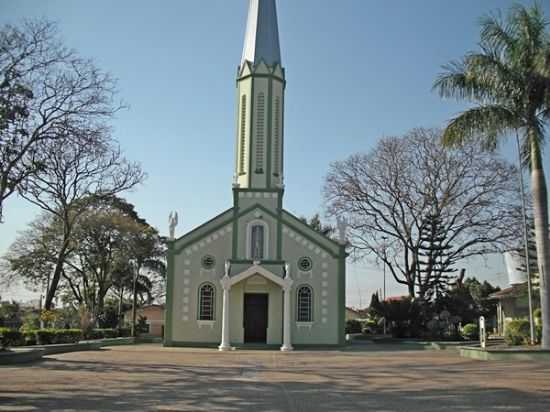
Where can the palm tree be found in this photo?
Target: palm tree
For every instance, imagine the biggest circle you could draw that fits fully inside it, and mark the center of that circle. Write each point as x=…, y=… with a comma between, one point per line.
x=509, y=83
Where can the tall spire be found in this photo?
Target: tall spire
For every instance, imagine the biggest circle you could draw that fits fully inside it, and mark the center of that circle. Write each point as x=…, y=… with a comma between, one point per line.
x=262, y=34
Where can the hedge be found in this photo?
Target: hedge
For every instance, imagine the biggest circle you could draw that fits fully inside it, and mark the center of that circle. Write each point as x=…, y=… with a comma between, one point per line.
x=517, y=332
x=10, y=337
x=57, y=336
x=102, y=334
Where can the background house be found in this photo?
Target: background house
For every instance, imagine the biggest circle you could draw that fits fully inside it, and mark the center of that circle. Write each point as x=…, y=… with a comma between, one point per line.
x=154, y=315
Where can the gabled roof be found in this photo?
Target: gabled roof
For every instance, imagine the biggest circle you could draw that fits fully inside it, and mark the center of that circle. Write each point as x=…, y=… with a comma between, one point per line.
x=261, y=42
x=513, y=291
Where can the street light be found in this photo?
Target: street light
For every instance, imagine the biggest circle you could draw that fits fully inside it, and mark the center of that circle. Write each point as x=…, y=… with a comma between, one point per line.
x=384, y=245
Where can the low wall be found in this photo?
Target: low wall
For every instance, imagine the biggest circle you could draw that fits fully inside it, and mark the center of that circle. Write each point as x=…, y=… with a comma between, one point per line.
x=33, y=353
x=17, y=356
x=478, y=353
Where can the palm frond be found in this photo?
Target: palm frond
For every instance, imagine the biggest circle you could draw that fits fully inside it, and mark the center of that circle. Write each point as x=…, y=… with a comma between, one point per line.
x=492, y=75
x=495, y=33
x=456, y=83
x=528, y=26
x=485, y=124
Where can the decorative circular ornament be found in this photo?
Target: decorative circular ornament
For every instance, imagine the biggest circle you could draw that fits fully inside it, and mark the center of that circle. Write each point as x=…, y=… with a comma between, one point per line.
x=305, y=264
x=208, y=261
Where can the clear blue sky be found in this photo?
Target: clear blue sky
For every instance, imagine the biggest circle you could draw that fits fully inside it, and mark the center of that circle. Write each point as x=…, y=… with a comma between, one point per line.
x=356, y=70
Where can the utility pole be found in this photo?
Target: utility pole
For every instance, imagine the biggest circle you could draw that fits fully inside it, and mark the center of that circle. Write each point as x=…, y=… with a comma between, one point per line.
x=384, y=238
x=526, y=246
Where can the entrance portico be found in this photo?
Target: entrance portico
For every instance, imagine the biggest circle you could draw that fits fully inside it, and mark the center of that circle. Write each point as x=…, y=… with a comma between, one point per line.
x=227, y=282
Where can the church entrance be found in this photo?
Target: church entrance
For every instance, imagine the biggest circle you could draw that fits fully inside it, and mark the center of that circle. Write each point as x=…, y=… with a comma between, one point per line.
x=255, y=317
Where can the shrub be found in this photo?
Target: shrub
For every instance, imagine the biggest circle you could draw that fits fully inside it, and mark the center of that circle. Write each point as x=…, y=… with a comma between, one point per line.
x=470, y=331
x=31, y=322
x=10, y=337
x=57, y=336
x=538, y=333
x=124, y=332
x=68, y=335
x=517, y=332
x=45, y=336
x=353, y=326
x=142, y=326
x=102, y=334
x=106, y=333
x=537, y=314
x=29, y=336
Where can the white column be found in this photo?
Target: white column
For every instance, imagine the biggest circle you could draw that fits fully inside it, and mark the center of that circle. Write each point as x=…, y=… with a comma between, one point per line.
x=225, y=345
x=287, y=314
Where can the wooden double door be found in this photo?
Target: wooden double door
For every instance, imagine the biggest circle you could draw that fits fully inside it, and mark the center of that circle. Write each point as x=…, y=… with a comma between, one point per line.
x=255, y=317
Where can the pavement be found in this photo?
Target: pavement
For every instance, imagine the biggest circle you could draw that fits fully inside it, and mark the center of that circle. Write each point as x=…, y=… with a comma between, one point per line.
x=362, y=378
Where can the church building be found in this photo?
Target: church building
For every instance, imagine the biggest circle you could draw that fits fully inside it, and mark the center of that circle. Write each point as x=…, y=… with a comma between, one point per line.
x=256, y=274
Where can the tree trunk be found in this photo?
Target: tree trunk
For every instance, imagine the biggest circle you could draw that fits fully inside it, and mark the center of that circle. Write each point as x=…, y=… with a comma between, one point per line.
x=540, y=211
x=50, y=294
x=134, y=306
x=410, y=286
x=120, y=297
x=100, y=306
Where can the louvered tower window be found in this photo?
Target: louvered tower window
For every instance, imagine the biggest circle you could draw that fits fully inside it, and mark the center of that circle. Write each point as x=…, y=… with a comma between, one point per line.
x=242, y=154
x=260, y=125
x=276, y=136
x=305, y=304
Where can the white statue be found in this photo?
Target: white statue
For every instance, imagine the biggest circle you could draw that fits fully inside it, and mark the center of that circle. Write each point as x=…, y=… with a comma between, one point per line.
x=342, y=228
x=172, y=223
x=287, y=270
x=227, y=267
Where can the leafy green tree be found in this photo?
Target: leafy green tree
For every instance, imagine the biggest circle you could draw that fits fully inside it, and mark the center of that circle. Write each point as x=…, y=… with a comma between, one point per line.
x=31, y=258
x=508, y=81
x=315, y=223
x=110, y=249
x=10, y=314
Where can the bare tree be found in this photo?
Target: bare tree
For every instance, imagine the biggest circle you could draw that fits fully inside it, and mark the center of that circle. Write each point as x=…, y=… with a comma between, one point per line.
x=78, y=172
x=406, y=185
x=46, y=90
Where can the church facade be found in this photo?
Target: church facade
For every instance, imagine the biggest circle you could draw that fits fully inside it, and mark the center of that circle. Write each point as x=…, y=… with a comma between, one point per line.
x=256, y=273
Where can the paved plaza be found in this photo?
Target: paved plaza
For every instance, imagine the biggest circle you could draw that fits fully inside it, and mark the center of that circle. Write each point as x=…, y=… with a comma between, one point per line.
x=362, y=378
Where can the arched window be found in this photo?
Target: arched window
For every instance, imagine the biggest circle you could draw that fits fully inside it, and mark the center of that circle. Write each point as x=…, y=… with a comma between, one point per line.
x=305, y=304
x=260, y=125
x=206, y=302
x=257, y=242
x=242, y=153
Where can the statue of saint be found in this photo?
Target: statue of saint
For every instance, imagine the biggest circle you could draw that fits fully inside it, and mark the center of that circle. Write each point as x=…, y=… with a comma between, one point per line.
x=342, y=227
x=172, y=223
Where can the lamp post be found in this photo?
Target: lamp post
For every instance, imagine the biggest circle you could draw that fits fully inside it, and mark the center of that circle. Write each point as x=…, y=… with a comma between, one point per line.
x=384, y=245
x=526, y=246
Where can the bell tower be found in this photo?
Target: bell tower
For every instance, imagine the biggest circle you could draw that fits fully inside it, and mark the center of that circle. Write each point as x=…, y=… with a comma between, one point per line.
x=260, y=102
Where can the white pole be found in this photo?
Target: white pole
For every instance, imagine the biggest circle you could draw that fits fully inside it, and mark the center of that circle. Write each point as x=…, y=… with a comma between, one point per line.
x=225, y=344
x=287, y=339
x=526, y=247
x=287, y=327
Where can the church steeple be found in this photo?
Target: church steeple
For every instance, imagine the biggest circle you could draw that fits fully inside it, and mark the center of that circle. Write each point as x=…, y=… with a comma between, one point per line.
x=262, y=34
x=260, y=102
